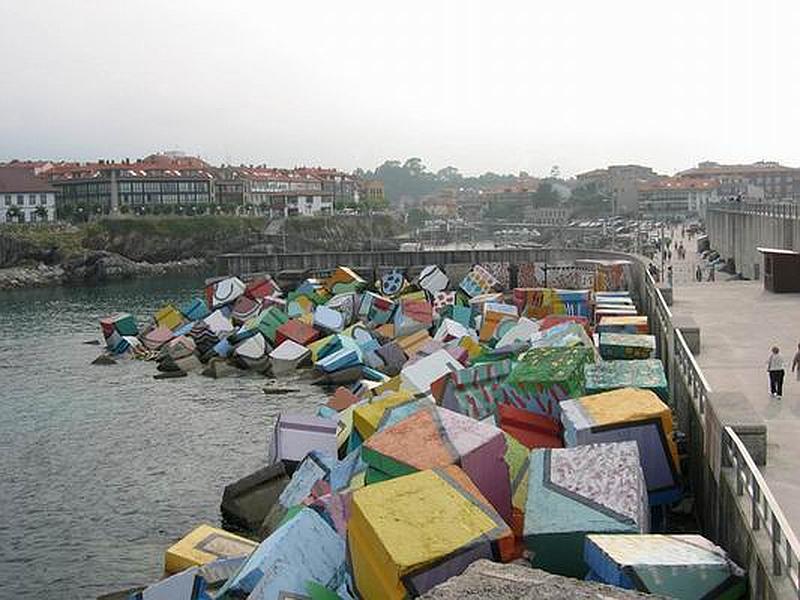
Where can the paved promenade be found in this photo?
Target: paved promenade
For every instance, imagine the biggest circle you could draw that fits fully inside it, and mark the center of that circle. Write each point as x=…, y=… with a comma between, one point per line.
x=739, y=322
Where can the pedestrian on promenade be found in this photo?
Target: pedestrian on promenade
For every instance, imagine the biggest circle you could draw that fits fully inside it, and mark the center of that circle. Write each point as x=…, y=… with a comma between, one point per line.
x=796, y=362
x=669, y=275
x=698, y=274
x=712, y=274
x=775, y=369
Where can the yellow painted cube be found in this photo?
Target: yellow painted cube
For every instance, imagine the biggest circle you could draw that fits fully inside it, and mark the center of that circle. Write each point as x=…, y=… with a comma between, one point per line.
x=203, y=545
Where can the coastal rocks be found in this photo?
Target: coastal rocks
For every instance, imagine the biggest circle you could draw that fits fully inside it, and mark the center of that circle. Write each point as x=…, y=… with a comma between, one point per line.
x=27, y=277
x=100, y=265
x=91, y=267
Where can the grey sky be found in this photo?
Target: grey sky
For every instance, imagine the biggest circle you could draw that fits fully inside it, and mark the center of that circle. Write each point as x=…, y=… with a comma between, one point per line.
x=502, y=86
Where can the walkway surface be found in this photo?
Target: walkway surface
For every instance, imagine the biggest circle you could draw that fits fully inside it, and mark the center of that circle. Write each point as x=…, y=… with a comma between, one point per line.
x=739, y=322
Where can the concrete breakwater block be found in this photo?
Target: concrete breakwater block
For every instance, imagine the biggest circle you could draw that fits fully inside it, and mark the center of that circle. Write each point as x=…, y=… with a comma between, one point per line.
x=305, y=548
x=294, y=436
x=544, y=377
x=411, y=533
x=624, y=324
x=610, y=375
x=678, y=566
x=629, y=414
x=572, y=492
x=436, y=437
x=246, y=502
x=204, y=545
x=627, y=346
x=486, y=580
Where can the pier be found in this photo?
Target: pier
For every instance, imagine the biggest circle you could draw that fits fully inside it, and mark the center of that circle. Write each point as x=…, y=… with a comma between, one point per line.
x=731, y=476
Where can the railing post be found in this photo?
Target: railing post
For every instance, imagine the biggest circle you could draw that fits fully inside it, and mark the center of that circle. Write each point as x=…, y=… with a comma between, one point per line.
x=741, y=476
x=755, y=500
x=776, y=544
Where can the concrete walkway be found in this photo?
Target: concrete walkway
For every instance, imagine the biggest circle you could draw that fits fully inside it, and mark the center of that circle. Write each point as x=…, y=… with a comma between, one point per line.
x=739, y=322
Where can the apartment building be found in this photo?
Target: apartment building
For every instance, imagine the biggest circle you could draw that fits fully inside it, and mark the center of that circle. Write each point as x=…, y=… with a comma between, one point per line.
x=127, y=186
x=677, y=196
x=620, y=183
x=778, y=182
x=24, y=197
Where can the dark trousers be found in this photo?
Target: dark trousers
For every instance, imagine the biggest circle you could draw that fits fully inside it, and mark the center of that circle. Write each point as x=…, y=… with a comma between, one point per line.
x=776, y=382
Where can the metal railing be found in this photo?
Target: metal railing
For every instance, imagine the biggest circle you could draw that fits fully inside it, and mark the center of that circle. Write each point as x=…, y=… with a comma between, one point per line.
x=781, y=210
x=766, y=514
x=691, y=374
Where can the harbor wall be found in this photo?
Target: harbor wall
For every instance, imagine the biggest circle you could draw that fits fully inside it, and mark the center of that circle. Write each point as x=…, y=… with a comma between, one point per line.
x=735, y=231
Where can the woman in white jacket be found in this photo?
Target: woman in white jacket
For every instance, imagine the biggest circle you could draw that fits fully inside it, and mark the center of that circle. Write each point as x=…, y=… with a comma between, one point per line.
x=775, y=368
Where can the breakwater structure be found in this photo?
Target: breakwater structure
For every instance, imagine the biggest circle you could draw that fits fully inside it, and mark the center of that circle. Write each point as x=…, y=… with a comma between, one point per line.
x=736, y=230
x=727, y=441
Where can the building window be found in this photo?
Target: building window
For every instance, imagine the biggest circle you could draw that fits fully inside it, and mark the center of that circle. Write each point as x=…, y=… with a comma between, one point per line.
x=20, y=200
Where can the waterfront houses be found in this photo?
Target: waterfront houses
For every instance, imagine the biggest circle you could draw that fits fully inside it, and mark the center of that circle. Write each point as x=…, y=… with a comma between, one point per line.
x=280, y=193
x=174, y=183
x=24, y=197
x=159, y=183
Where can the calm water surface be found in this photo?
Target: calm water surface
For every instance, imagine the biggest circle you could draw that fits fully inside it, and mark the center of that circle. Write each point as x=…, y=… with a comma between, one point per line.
x=102, y=468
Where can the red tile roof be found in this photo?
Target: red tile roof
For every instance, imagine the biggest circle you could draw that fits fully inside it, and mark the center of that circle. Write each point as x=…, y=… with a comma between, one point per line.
x=21, y=180
x=706, y=169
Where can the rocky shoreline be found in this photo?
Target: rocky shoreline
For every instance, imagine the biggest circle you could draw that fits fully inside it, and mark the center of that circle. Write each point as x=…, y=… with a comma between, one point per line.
x=92, y=267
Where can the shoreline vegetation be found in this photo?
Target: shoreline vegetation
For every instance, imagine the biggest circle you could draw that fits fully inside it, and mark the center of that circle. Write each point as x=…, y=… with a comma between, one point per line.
x=125, y=248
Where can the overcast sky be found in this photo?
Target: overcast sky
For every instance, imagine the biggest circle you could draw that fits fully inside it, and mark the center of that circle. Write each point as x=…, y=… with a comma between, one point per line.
x=503, y=86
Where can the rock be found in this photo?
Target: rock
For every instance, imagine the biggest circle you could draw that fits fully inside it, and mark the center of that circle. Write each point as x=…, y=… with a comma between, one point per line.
x=218, y=368
x=486, y=580
x=169, y=375
x=278, y=391
x=104, y=360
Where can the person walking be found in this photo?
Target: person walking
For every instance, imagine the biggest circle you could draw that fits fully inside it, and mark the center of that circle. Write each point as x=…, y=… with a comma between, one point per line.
x=796, y=363
x=698, y=274
x=712, y=274
x=669, y=275
x=775, y=369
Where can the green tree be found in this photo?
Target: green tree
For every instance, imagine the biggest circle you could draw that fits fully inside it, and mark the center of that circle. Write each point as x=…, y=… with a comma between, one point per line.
x=416, y=217
x=587, y=201
x=14, y=214
x=546, y=196
x=41, y=213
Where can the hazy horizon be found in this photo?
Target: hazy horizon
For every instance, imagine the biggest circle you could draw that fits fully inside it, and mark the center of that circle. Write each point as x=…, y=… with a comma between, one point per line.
x=505, y=87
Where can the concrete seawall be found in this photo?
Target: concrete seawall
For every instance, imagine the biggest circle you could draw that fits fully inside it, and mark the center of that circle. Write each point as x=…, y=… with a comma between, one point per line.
x=241, y=263
x=736, y=231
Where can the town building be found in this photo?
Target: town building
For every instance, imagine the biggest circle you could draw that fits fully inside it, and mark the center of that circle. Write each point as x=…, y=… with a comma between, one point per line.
x=596, y=179
x=510, y=199
x=442, y=204
x=677, y=196
x=778, y=181
x=160, y=182
x=24, y=197
x=371, y=192
x=275, y=193
x=343, y=187
x=620, y=183
x=552, y=215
